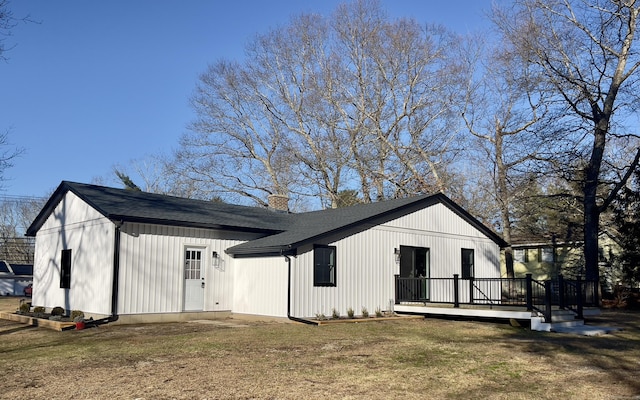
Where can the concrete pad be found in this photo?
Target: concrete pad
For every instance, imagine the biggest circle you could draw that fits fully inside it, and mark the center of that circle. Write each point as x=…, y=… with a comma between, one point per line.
x=586, y=330
x=218, y=323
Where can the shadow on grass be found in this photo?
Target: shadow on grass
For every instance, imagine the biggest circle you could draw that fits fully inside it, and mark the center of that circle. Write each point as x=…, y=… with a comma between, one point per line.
x=18, y=328
x=616, y=354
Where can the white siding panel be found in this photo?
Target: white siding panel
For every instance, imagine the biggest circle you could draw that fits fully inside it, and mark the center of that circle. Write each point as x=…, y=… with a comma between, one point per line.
x=74, y=225
x=261, y=286
x=437, y=218
x=151, y=268
x=366, y=263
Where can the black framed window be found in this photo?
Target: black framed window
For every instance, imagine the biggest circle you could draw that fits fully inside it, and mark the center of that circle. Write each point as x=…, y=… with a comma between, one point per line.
x=324, y=266
x=65, y=269
x=467, y=263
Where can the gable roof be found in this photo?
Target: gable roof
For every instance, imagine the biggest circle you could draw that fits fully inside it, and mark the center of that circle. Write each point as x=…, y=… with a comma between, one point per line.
x=313, y=226
x=136, y=206
x=283, y=232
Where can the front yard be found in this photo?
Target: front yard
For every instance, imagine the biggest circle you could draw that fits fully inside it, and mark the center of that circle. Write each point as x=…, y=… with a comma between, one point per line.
x=237, y=359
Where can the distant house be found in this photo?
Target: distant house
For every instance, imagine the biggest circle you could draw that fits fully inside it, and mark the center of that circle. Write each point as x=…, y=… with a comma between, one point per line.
x=14, y=278
x=547, y=258
x=138, y=256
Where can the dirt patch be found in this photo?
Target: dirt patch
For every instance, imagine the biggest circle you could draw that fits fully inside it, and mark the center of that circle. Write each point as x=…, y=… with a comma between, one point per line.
x=427, y=358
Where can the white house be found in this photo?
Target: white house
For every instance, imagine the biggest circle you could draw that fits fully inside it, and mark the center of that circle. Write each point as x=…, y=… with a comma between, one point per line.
x=132, y=256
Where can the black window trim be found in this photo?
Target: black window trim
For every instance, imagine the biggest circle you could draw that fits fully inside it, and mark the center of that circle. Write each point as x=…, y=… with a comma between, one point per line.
x=65, y=268
x=462, y=264
x=335, y=255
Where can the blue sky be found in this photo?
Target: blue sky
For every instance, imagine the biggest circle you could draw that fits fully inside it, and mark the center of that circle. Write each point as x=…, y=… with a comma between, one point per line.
x=100, y=83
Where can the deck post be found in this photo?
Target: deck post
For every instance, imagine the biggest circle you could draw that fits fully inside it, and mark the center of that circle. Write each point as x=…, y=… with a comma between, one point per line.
x=471, y=289
x=579, y=297
x=529, y=294
x=456, y=291
x=547, y=301
x=398, y=294
x=561, y=293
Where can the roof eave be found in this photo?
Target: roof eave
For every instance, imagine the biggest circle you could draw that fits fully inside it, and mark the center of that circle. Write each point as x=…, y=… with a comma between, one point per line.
x=272, y=251
x=188, y=224
x=53, y=201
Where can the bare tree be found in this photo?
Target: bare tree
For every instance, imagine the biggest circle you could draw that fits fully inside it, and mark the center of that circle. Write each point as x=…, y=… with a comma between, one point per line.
x=399, y=91
x=505, y=107
x=352, y=102
x=16, y=214
x=588, y=52
x=8, y=154
x=7, y=23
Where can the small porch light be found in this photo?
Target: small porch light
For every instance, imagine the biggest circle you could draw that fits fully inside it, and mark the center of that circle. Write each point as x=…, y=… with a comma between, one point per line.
x=215, y=258
x=396, y=252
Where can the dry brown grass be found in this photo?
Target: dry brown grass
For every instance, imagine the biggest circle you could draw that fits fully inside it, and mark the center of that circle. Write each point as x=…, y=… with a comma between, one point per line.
x=383, y=360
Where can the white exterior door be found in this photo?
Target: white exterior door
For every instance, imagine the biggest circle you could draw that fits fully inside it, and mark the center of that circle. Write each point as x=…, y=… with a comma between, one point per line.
x=193, y=279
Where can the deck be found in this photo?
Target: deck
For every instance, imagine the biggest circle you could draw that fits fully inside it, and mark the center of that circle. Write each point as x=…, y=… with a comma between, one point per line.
x=543, y=303
x=484, y=311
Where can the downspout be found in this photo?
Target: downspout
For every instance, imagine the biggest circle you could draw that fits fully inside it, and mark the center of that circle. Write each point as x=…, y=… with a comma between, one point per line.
x=292, y=318
x=116, y=273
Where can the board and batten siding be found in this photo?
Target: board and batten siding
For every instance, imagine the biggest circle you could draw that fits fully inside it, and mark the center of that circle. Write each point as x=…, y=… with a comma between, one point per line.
x=152, y=267
x=260, y=286
x=366, y=264
x=74, y=225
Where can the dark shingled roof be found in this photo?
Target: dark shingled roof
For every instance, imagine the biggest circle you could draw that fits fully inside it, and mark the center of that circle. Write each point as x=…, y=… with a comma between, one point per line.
x=18, y=269
x=137, y=206
x=284, y=232
x=4, y=268
x=22, y=269
x=312, y=227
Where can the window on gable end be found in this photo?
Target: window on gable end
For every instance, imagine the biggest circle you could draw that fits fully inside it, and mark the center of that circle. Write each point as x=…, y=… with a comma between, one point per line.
x=65, y=269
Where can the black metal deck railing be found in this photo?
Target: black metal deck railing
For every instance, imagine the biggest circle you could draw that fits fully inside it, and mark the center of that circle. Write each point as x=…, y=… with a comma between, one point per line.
x=526, y=292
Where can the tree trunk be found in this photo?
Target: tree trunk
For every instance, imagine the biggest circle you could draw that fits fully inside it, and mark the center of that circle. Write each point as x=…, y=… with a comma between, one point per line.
x=591, y=217
x=503, y=199
x=591, y=209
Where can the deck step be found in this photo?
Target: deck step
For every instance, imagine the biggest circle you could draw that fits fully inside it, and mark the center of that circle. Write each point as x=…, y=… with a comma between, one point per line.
x=591, y=311
x=562, y=316
x=567, y=324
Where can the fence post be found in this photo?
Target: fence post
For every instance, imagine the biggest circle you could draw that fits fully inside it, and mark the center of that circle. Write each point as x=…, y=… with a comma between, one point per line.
x=529, y=294
x=561, y=300
x=456, y=291
x=579, y=297
x=547, y=301
x=471, y=289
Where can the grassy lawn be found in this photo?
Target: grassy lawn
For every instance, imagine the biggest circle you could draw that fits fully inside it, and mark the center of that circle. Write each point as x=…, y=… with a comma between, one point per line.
x=428, y=358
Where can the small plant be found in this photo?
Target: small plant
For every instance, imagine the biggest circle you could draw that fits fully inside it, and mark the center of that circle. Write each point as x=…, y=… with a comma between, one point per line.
x=57, y=311
x=378, y=312
x=39, y=310
x=77, y=316
x=25, y=308
x=350, y=312
x=320, y=317
x=335, y=314
x=365, y=312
